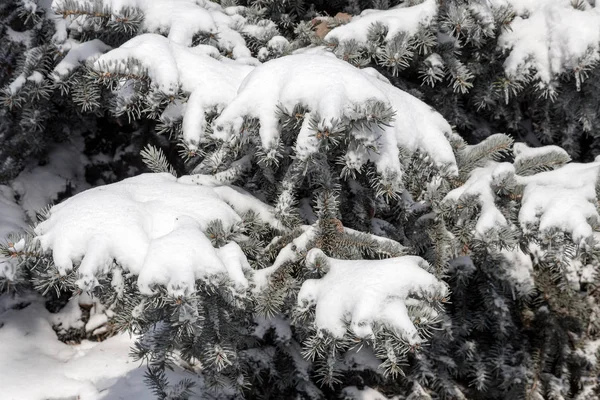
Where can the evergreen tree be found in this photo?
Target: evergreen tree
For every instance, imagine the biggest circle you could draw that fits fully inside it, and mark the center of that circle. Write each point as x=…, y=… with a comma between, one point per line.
x=324, y=233
x=527, y=69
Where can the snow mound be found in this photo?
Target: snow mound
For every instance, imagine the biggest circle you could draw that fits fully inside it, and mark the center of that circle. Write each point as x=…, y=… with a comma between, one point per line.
x=210, y=82
x=367, y=292
x=336, y=91
x=239, y=199
x=180, y=20
x=152, y=226
x=549, y=37
x=399, y=19
x=563, y=199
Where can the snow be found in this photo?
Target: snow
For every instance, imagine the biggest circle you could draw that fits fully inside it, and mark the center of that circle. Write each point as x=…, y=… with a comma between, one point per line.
x=525, y=155
x=12, y=217
x=280, y=325
x=522, y=151
x=549, y=37
x=290, y=252
x=402, y=18
x=241, y=201
x=179, y=20
x=12, y=220
x=34, y=364
x=322, y=84
x=591, y=351
x=68, y=317
x=38, y=186
x=17, y=84
x=335, y=91
x=518, y=268
x=368, y=292
x=479, y=186
x=211, y=82
x=153, y=226
x=60, y=34
x=176, y=260
x=546, y=37
x=564, y=198
x=361, y=359
x=418, y=126
x=366, y=393
x=19, y=37
x=96, y=321
x=275, y=47
x=77, y=53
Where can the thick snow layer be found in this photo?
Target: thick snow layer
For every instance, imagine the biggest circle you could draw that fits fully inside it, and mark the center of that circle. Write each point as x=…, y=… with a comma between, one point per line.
x=549, y=37
x=241, y=201
x=546, y=37
x=366, y=292
x=211, y=82
x=35, y=365
x=335, y=90
x=180, y=20
x=152, y=225
x=564, y=199
x=399, y=19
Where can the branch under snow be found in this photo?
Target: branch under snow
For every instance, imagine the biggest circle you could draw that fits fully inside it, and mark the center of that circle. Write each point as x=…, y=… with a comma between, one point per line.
x=152, y=225
x=369, y=292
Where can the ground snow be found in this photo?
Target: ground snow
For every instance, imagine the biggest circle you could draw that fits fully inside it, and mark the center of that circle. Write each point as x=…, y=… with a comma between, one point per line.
x=35, y=365
x=12, y=216
x=12, y=220
x=39, y=185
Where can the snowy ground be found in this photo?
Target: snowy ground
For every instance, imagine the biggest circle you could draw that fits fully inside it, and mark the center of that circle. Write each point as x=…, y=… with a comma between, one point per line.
x=35, y=365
